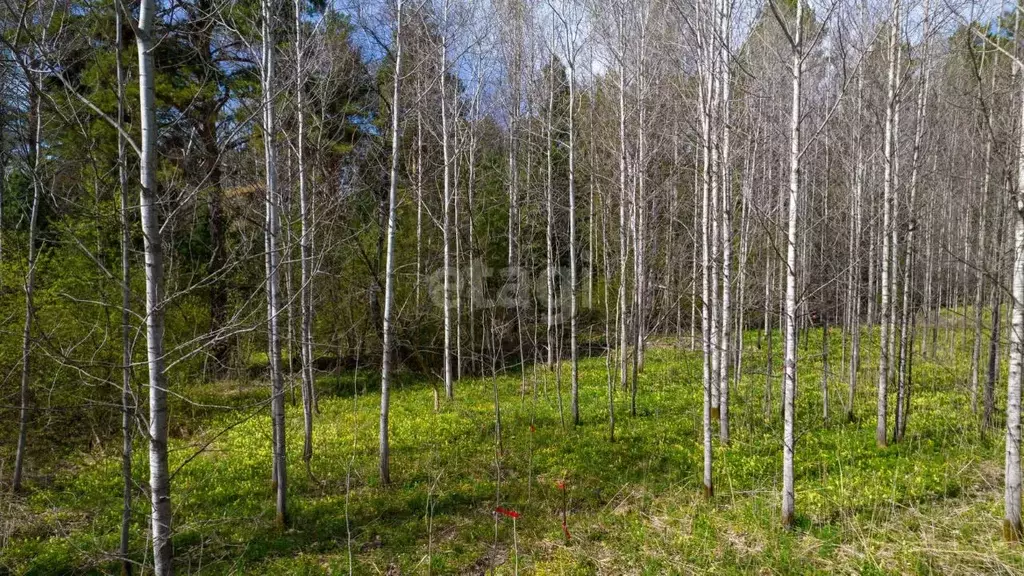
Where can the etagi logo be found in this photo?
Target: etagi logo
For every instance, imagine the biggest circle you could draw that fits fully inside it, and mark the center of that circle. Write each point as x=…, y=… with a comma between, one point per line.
x=512, y=288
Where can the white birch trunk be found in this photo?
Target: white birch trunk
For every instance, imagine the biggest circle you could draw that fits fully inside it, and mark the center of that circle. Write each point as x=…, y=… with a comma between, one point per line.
x=305, y=247
x=574, y=385
x=1012, y=528
x=696, y=241
x=789, y=363
x=706, y=270
x=592, y=231
x=384, y=457
x=272, y=231
x=550, y=208
x=887, y=224
x=744, y=226
x=726, y=239
x=470, y=187
x=607, y=317
x=456, y=234
x=640, y=233
x=714, y=182
x=854, y=254
x=419, y=189
x=640, y=217
x=449, y=386
x=623, y=254
x=872, y=268
x=149, y=211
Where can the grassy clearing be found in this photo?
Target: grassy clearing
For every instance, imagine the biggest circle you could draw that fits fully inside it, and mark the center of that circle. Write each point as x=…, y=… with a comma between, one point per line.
x=929, y=505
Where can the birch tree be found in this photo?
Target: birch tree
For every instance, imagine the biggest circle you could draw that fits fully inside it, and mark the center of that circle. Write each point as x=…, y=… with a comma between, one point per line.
x=272, y=230
x=449, y=387
x=159, y=473
x=795, y=37
x=709, y=374
x=725, y=175
x=384, y=455
x=1012, y=527
x=885, y=308
x=305, y=244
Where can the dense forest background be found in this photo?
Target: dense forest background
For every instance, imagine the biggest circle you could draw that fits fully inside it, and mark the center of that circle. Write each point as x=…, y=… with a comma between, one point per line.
x=433, y=192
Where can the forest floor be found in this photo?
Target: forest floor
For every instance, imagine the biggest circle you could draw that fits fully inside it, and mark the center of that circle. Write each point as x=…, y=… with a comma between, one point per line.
x=930, y=504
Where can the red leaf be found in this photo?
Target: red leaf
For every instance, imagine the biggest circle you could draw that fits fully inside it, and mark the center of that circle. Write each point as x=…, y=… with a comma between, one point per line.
x=507, y=512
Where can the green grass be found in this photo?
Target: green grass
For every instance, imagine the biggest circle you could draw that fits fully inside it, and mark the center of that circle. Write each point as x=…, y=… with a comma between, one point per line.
x=930, y=505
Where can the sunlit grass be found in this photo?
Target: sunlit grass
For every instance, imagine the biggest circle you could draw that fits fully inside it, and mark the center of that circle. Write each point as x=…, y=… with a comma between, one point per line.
x=930, y=504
